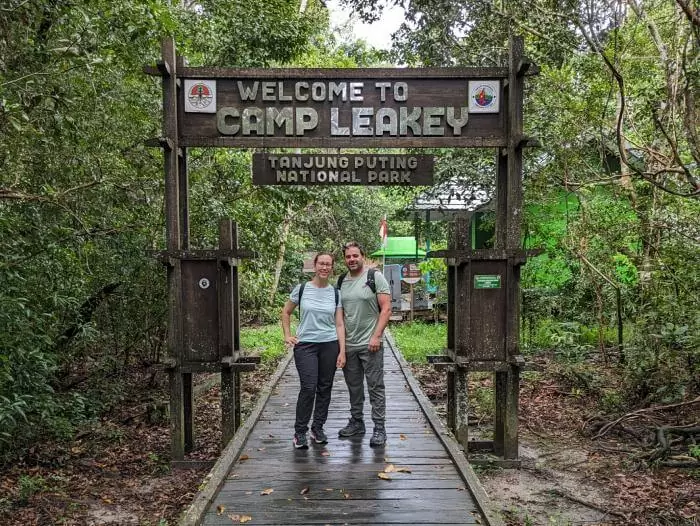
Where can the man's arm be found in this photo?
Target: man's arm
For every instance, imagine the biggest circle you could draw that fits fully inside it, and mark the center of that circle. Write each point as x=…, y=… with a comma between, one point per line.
x=375, y=341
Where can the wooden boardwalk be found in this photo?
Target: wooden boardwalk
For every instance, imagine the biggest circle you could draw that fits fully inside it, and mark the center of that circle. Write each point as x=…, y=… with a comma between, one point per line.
x=270, y=482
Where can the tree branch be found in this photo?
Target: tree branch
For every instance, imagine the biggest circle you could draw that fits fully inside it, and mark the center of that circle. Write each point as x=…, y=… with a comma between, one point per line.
x=688, y=10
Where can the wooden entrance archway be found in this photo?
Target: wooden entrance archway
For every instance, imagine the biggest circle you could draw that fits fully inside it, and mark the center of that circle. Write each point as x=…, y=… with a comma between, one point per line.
x=350, y=108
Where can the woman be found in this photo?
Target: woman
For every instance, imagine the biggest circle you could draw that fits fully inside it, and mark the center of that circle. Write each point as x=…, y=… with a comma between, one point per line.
x=319, y=347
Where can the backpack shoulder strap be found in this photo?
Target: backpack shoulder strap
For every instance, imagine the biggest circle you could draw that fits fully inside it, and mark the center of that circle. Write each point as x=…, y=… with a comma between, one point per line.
x=301, y=291
x=370, y=279
x=339, y=283
x=337, y=297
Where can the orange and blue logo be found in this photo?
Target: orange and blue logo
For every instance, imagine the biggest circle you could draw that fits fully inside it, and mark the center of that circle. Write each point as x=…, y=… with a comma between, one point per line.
x=484, y=96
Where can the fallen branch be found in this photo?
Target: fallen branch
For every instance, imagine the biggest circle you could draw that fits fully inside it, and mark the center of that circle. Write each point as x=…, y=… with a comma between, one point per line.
x=567, y=496
x=681, y=462
x=662, y=439
x=641, y=413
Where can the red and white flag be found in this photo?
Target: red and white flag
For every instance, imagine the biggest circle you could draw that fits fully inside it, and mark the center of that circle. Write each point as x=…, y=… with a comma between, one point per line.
x=383, y=231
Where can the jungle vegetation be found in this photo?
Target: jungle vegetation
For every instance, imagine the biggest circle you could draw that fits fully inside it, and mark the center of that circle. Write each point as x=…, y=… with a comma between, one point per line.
x=612, y=193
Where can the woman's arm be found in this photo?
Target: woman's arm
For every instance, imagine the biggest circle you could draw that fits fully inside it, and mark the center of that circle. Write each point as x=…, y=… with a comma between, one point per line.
x=287, y=310
x=340, y=331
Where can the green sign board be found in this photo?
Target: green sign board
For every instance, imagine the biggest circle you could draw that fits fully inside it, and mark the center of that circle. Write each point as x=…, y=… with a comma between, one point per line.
x=487, y=282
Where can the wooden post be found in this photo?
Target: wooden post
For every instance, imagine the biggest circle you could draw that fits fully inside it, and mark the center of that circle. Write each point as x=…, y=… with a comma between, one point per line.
x=229, y=400
x=183, y=205
x=462, y=316
x=513, y=241
x=451, y=289
x=500, y=380
x=173, y=240
x=236, y=325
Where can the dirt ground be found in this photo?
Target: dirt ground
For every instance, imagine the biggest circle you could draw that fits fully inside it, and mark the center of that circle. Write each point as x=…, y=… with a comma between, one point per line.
x=567, y=478
x=117, y=472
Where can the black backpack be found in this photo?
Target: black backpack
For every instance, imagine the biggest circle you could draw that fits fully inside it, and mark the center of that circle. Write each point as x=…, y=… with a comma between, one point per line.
x=301, y=291
x=370, y=280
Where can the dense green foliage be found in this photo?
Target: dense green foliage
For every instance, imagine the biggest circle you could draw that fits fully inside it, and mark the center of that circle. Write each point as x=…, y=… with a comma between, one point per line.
x=82, y=304
x=612, y=194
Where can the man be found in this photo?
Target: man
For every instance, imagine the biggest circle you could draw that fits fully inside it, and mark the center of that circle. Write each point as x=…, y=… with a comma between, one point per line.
x=367, y=314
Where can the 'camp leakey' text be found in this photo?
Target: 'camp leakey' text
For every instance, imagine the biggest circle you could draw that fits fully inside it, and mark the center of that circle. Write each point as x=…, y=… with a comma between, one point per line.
x=296, y=119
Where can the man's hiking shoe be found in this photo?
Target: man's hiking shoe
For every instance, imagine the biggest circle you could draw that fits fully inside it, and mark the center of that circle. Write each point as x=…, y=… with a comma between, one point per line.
x=318, y=436
x=354, y=427
x=300, y=441
x=378, y=437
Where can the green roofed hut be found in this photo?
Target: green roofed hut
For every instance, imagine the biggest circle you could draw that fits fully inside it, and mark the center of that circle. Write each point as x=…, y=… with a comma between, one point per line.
x=399, y=248
x=401, y=252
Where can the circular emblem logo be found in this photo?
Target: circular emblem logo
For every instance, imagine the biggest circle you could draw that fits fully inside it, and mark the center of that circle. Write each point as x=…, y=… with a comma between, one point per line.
x=200, y=95
x=484, y=96
x=204, y=283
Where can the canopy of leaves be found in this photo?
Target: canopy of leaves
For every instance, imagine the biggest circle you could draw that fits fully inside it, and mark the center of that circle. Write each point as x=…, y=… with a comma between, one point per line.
x=82, y=303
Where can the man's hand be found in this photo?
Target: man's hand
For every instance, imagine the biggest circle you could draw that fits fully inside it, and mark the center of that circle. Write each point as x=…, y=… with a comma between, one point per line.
x=290, y=341
x=340, y=362
x=375, y=343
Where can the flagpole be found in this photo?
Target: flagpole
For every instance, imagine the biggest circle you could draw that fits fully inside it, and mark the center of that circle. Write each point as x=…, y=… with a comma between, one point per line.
x=383, y=232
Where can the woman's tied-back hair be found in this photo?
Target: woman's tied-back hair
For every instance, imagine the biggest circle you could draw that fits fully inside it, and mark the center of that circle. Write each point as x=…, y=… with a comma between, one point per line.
x=351, y=244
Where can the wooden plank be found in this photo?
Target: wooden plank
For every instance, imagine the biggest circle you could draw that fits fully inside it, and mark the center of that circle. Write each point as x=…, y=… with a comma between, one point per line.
x=310, y=461
x=446, y=486
x=344, y=143
x=335, y=73
x=367, y=169
x=353, y=515
x=215, y=478
x=351, y=466
x=488, y=510
x=348, y=507
x=292, y=501
x=318, y=493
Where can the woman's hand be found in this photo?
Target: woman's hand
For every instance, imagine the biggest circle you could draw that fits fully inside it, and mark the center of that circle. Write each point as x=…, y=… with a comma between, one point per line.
x=290, y=341
x=340, y=362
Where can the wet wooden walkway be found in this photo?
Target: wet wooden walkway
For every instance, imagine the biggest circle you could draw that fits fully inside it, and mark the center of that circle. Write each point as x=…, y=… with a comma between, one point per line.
x=267, y=481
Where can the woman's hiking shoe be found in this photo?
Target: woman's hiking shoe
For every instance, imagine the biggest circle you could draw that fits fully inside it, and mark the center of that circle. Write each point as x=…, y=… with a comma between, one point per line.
x=318, y=436
x=378, y=437
x=354, y=427
x=300, y=441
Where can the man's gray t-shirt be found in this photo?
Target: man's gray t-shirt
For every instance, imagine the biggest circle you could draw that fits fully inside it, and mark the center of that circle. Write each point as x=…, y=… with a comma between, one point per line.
x=317, y=320
x=360, y=307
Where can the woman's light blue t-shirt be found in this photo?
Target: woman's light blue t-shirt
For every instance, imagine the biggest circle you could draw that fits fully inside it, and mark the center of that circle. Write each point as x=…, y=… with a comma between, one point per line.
x=317, y=320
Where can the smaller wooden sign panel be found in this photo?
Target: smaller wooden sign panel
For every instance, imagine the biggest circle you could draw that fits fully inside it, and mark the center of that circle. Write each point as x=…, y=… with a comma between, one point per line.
x=342, y=169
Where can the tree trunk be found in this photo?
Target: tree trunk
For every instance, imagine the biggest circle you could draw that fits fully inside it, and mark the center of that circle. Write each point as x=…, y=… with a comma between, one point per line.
x=284, y=232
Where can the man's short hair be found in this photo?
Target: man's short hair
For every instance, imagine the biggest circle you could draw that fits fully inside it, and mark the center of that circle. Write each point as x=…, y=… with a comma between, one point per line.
x=351, y=244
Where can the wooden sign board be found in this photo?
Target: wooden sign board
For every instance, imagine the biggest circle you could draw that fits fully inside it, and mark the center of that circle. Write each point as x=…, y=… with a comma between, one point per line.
x=348, y=108
x=342, y=169
x=410, y=273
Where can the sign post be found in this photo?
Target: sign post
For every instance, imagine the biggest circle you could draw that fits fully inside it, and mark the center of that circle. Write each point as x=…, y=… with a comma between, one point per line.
x=345, y=108
x=410, y=273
